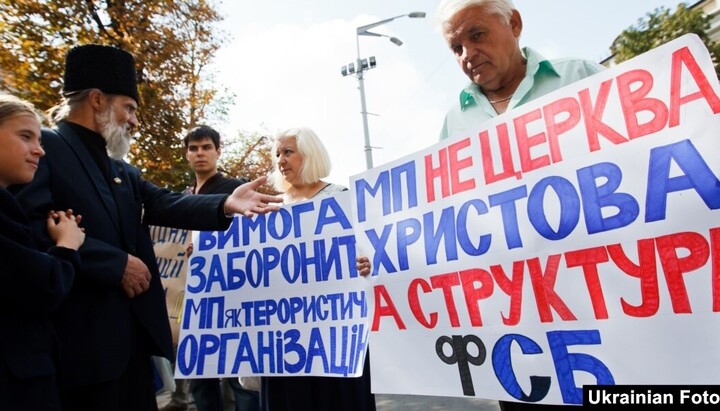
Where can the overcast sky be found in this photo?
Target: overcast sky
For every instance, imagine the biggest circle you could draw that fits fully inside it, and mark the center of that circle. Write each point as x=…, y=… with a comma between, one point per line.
x=284, y=57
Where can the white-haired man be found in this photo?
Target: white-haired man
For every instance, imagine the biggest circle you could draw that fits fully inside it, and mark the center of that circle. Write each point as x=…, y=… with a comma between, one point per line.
x=484, y=36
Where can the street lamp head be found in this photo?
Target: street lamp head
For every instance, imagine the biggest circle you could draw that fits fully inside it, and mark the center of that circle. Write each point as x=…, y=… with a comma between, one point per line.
x=363, y=65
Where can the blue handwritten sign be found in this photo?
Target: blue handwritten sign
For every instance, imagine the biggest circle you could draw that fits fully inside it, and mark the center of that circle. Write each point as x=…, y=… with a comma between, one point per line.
x=277, y=294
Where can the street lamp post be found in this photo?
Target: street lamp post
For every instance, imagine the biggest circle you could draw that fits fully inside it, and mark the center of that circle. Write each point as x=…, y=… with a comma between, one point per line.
x=366, y=64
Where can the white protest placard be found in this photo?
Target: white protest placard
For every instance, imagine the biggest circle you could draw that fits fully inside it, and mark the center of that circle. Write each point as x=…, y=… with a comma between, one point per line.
x=573, y=240
x=277, y=294
x=170, y=246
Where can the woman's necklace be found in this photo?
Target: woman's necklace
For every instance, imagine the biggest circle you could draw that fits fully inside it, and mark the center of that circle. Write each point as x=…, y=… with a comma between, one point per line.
x=501, y=99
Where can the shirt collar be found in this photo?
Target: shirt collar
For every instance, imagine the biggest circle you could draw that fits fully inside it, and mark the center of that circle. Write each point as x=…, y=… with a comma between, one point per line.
x=536, y=64
x=90, y=137
x=205, y=187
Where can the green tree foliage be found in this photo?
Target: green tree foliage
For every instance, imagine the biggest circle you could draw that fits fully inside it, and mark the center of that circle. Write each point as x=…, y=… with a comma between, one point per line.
x=661, y=26
x=173, y=42
x=249, y=155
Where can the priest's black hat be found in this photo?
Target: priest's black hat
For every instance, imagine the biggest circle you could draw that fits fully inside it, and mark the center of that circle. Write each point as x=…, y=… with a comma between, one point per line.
x=110, y=69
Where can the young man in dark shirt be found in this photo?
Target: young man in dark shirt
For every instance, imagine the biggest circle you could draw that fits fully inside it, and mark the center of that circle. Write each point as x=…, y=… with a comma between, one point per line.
x=202, y=151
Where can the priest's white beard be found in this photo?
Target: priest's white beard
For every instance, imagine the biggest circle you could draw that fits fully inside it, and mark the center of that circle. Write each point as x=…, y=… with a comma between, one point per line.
x=116, y=135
